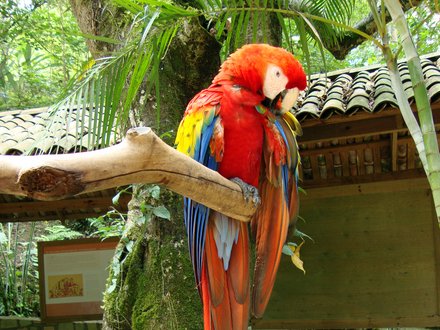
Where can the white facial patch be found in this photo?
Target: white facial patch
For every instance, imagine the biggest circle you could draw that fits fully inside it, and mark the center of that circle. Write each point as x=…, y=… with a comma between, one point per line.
x=275, y=81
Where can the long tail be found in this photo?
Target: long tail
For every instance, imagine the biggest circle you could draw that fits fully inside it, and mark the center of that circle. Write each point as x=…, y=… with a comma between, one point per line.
x=271, y=225
x=226, y=293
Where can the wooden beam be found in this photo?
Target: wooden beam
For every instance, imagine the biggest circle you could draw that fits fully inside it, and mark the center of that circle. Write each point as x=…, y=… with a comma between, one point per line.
x=361, y=188
x=350, y=130
x=376, y=177
x=344, y=148
x=315, y=169
x=85, y=203
x=329, y=165
x=338, y=127
x=363, y=115
x=345, y=165
x=48, y=217
x=341, y=119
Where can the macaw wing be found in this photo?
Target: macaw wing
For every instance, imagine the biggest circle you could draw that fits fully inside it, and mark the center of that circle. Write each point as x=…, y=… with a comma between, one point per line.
x=279, y=204
x=290, y=128
x=200, y=136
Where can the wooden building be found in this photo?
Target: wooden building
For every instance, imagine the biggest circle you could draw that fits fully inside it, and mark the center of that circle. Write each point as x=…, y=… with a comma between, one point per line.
x=375, y=258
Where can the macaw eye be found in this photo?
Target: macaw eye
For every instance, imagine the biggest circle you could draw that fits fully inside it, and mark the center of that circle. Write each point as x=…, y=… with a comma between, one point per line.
x=275, y=81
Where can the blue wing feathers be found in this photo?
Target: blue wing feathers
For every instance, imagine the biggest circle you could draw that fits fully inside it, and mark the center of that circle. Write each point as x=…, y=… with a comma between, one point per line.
x=195, y=214
x=284, y=169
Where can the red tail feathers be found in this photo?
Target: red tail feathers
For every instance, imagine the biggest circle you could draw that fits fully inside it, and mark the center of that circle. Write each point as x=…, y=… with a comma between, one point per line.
x=271, y=224
x=226, y=293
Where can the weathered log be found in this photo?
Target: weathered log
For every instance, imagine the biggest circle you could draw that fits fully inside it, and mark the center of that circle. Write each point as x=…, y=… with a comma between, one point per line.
x=141, y=157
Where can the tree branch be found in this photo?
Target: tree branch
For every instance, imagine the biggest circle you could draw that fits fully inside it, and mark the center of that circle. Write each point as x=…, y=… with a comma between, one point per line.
x=140, y=158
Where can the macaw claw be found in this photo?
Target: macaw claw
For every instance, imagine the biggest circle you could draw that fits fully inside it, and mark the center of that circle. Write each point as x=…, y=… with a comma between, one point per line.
x=250, y=192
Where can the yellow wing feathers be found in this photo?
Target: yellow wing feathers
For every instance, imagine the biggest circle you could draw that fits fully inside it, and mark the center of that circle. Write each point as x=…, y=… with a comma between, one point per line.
x=191, y=128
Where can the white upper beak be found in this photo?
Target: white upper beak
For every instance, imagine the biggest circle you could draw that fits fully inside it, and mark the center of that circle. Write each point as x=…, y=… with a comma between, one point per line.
x=289, y=99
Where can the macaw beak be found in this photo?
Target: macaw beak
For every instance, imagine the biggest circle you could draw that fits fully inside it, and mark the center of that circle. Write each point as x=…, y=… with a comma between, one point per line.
x=283, y=102
x=289, y=99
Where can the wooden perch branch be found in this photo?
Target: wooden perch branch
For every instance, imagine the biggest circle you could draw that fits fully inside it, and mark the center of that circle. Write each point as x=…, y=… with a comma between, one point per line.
x=141, y=157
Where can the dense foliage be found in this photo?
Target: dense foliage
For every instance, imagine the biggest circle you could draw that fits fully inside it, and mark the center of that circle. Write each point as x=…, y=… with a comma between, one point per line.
x=425, y=28
x=41, y=49
x=19, y=293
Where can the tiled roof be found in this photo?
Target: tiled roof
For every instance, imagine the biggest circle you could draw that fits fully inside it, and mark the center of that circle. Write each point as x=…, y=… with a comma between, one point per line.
x=348, y=138
x=343, y=92
x=39, y=131
x=346, y=92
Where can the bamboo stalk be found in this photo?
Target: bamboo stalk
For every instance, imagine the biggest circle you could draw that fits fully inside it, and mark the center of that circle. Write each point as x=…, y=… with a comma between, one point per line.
x=422, y=100
x=405, y=108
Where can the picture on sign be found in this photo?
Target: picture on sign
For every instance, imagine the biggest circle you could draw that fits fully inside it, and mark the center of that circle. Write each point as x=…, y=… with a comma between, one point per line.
x=62, y=286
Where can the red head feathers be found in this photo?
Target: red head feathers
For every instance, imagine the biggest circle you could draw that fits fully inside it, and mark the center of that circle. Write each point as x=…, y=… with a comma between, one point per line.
x=247, y=67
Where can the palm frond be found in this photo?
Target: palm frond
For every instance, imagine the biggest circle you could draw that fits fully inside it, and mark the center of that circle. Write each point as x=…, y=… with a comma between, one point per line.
x=238, y=22
x=304, y=43
x=99, y=100
x=103, y=95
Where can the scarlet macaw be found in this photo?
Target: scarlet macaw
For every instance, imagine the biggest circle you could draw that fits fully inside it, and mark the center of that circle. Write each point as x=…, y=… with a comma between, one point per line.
x=240, y=126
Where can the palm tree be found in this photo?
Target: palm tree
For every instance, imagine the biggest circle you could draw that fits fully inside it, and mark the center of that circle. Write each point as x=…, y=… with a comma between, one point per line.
x=168, y=51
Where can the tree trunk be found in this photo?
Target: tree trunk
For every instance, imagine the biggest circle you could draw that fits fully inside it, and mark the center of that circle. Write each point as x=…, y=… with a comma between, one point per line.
x=155, y=287
x=100, y=18
x=159, y=288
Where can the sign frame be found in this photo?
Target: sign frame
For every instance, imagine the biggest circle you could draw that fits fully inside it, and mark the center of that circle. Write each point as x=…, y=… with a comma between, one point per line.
x=69, y=288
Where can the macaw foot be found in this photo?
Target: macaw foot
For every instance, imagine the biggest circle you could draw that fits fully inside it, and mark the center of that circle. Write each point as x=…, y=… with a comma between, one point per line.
x=250, y=192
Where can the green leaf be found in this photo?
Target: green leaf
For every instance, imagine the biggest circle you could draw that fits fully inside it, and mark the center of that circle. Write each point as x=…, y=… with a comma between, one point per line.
x=162, y=212
x=112, y=286
x=27, y=53
x=154, y=191
x=129, y=5
x=302, y=190
x=302, y=235
x=287, y=250
x=129, y=246
x=3, y=238
x=142, y=219
x=99, y=38
x=115, y=199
